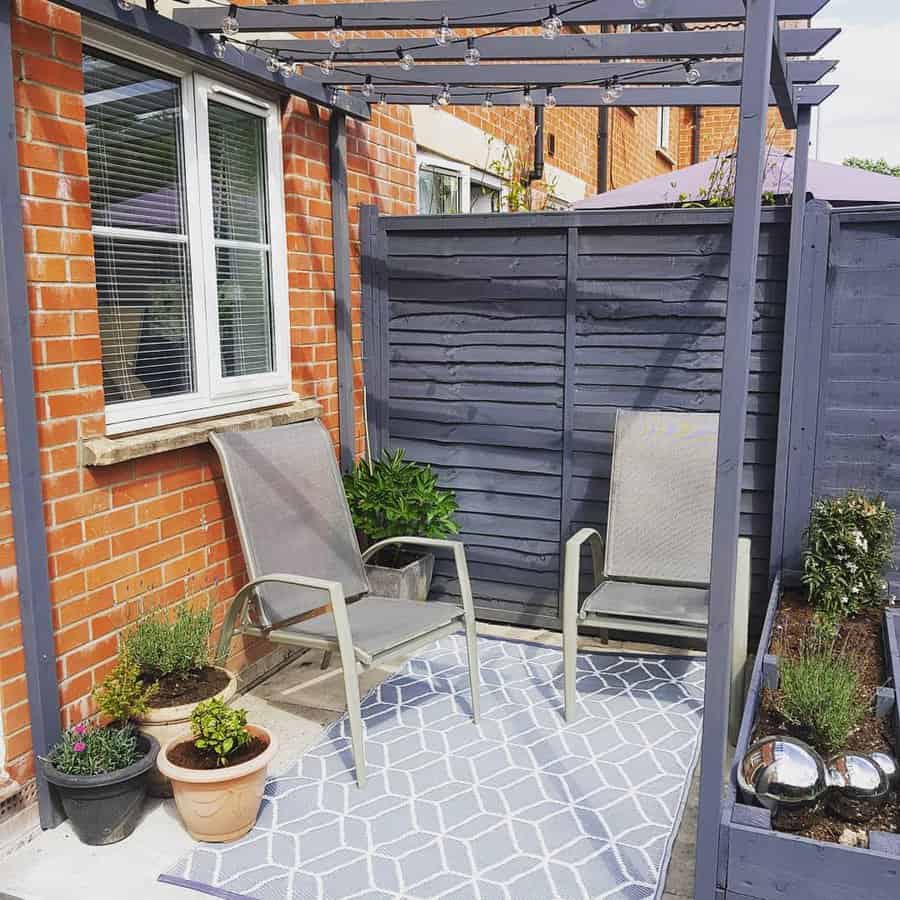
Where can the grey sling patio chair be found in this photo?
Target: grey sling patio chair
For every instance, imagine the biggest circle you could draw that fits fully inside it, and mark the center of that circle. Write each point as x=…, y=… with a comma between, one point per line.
x=653, y=577
x=308, y=585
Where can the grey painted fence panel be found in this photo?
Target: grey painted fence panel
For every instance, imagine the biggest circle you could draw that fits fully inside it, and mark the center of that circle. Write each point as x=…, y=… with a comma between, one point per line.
x=515, y=409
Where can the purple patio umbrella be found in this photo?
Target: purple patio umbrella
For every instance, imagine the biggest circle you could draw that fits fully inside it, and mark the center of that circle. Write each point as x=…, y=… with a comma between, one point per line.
x=837, y=184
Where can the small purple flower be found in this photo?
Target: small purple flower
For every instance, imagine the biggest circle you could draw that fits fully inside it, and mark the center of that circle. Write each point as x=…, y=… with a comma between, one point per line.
x=79, y=746
x=80, y=728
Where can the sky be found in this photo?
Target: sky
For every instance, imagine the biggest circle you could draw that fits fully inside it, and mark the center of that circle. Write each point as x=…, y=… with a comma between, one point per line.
x=863, y=117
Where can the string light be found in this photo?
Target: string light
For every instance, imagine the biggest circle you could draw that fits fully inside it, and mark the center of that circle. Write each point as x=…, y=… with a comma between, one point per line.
x=273, y=64
x=406, y=59
x=326, y=66
x=336, y=94
x=641, y=4
x=488, y=102
x=550, y=102
x=527, y=99
x=337, y=35
x=444, y=96
x=434, y=102
x=472, y=55
x=693, y=73
x=230, y=24
x=552, y=25
x=125, y=5
x=368, y=88
x=219, y=48
x=444, y=33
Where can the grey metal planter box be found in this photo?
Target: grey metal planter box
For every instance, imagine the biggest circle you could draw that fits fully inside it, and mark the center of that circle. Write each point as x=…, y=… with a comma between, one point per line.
x=412, y=582
x=757, y=863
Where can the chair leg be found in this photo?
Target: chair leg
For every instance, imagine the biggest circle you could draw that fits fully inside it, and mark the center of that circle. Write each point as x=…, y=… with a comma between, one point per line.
x=354, y=715
x=570, y=634
x=326, y=660
x=474, y=679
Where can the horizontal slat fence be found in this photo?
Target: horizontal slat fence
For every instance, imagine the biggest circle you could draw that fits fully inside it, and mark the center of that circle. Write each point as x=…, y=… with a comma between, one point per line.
x=498, y=349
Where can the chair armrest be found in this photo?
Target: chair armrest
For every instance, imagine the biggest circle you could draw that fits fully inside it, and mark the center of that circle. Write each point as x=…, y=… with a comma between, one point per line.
x=336, y=600
x=573, y=554
x=459, y=559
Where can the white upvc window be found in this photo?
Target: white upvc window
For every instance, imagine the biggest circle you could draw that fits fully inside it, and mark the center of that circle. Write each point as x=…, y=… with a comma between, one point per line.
x=188, y=219
x=664, y=128
x=445, y=187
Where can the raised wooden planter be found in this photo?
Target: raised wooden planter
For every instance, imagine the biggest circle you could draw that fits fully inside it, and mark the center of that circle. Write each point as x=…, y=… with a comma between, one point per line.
x=757, y=863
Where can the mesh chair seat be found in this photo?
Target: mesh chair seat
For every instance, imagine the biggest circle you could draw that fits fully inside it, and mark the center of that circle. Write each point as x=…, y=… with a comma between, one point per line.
x=379, y=624
x=652, y=602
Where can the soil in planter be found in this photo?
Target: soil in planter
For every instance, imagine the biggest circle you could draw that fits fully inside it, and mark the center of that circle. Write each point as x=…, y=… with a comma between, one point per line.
x=180, y=688
x=188, y=756
x=863, y=638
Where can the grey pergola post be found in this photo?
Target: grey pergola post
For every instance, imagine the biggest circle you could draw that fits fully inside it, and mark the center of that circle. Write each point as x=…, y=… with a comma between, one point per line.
x=758, y=41
x=343, y=318
x=17, y=376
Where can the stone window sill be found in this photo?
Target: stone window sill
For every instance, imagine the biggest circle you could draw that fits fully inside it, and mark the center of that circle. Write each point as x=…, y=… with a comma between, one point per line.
x=664, y=154
x=107, y=451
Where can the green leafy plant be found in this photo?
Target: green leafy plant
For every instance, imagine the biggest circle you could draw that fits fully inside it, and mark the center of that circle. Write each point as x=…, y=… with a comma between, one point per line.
x=219, y=728
x=393, y=497
x=849, y=545
x=520, y=194
x=87, y=750
x=819, y=693
x=879, y=166
x=161, y=647
x=122, y=695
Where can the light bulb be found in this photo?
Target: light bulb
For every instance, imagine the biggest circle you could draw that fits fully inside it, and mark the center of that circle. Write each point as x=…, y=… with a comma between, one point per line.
x=488, y=102
x=435, y=104
x=444, y=96
x=444, y=33
x=368, y=89
x=219, y=48
x=616, y=91
x=326, y=66
x=550, y=102
x=406, y=59
x=552, y=25
x=125, y=5
x=272, y=64
x=527, y=100
x=641, y=4
x=693, y=73
x=230, y=24
x=287, y=68
x=472, y=56
x=607, y=95
x=337, y=35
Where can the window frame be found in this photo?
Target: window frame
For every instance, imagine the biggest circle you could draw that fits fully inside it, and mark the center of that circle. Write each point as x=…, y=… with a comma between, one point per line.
x=664, y=128
x=213, y=395
x=428, y=160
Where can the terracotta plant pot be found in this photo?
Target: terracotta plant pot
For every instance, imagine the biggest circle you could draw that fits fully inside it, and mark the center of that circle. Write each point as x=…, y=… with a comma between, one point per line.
x=218, y=805
x=166, y=722
x=104, y=809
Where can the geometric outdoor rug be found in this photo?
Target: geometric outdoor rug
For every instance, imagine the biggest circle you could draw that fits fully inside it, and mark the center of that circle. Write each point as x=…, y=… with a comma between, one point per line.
x=521, y=807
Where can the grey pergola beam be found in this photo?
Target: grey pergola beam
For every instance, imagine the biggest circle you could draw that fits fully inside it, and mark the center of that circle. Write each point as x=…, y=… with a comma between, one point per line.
x=782, y=83
x=189, y=42
x=739, y=316
x=423, y=14
x=639, y=44
x=637, y=97
x=559, y=74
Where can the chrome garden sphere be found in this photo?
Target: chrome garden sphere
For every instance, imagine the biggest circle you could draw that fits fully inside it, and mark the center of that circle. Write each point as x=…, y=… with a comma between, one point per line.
x=860, y=786
x=787, y=777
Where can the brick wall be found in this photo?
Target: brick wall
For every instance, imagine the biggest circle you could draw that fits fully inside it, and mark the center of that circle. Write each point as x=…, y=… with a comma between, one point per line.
x=150, y=533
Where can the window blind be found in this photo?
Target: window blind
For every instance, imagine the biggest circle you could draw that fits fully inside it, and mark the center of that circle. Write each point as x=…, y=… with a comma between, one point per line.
x=135, y=163
x=237, y=150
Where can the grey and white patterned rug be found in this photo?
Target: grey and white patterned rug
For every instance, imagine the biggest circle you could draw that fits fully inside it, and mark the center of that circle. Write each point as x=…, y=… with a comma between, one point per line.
x=520, y=807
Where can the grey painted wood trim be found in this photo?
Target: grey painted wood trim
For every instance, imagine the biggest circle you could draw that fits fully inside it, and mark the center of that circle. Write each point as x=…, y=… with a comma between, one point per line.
x=783, y=85
x=568, y=426
x=343, y=316
x=561, y=74
x=637, y=45
x=804, y=411
x=758, y=38
x=368, y=231
x=789, y=346
x=692, y=95
x=17, y=376
x=184, y=39
x=470, y=13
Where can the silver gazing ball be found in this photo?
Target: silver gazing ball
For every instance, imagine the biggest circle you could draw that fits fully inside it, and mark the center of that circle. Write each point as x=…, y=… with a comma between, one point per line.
x=787, y=777
x=860, y=786
x=888, y=765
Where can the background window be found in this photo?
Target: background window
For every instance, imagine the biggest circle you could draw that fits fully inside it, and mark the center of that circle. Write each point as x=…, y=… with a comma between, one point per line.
x=440, y=190
x=664, y=127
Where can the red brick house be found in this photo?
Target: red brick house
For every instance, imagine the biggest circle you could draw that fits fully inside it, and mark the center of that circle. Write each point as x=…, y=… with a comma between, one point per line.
x=136, y=524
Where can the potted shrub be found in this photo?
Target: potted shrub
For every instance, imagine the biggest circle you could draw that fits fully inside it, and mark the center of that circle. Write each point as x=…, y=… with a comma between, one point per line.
x=100, y=772
x=394, y=498
x=173, y=655
x=219, y=772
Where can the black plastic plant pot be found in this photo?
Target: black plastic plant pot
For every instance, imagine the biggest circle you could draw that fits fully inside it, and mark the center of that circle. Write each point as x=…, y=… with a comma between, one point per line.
x=105, y=809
